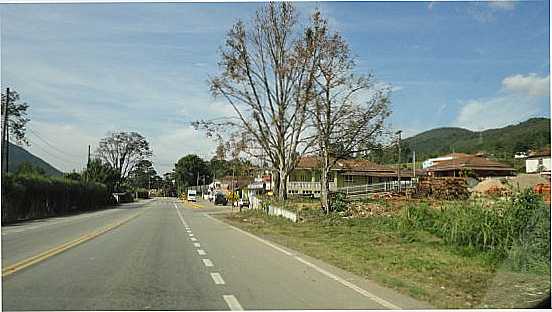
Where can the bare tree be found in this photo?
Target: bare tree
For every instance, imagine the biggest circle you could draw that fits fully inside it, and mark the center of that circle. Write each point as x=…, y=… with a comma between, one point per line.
x=267, y=77
x=123, y=151
x=349, y=110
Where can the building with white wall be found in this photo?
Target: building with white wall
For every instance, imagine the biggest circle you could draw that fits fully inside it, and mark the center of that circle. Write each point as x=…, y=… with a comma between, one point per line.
x=538, y=162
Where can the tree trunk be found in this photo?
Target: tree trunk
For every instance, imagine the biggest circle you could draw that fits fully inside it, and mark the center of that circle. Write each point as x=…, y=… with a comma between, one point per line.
x=324, y=191
x=282, y=185
x=275, y=182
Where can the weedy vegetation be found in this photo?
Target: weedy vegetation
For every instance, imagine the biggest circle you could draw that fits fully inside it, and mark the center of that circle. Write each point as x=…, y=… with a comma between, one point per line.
x=460, y=254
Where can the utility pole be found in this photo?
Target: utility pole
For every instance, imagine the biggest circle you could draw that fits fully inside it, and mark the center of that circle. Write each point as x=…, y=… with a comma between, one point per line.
x=233, y=195
x=414, y=164
x=5, y=131
x=197, y=181
x=399, y=163
x=88, y=161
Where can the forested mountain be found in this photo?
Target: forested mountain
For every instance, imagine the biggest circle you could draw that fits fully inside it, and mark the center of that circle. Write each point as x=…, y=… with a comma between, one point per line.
x=19, y=155
x=501, y=143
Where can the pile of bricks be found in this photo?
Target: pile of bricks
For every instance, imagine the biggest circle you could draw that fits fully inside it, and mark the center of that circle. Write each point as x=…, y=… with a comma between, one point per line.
x=544, y=190
x=448, y=188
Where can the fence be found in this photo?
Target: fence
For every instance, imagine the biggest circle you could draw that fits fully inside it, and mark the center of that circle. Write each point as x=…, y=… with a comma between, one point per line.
x=361, y=190
x=277, y=211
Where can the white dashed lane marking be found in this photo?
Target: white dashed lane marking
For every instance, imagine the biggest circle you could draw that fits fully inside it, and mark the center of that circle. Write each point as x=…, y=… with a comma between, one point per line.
x=328, y=274
x=232, y=303
x=217, y=278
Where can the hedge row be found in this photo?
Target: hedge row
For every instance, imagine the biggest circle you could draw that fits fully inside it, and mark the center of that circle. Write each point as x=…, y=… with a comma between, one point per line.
x=27, y=197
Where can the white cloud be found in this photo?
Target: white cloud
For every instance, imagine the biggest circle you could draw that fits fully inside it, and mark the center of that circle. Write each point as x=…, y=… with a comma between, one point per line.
x=502, y=4
x=519, y=99
x=176, y=143
x=531, y=84
x=63, y=145
x=496, y=112
x=430, y=5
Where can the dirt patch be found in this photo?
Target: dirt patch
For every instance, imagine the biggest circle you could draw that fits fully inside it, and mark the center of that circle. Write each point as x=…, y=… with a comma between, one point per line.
x=524, y=181
x=489, y=186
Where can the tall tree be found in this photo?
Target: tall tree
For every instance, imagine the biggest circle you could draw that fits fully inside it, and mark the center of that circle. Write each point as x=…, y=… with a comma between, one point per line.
x=188, y=169
x=267, y=79
x=349, y=110
x=17, y=116
x=100, y=172
x=123, y=151
x=14, y=121
x=142, y=174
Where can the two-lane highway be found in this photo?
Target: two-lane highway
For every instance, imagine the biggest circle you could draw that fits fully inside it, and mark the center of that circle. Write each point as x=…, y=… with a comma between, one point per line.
x=165, y=255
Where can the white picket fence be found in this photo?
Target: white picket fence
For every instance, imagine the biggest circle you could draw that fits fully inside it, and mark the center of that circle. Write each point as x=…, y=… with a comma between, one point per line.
x=362, y=190
x=277, y=211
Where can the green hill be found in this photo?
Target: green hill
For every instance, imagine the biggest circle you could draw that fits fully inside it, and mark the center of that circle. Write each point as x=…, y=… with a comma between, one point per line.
x=501, y=143
x=18, y=155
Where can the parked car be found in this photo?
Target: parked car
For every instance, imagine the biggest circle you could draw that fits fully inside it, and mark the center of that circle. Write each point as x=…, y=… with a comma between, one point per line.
x=192, y=195
x=220, y=199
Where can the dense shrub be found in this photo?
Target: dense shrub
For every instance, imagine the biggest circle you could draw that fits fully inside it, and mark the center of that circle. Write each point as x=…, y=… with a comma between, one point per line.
x=142, y=193
x=36, y=196
x=338, y=202
x=517, y=229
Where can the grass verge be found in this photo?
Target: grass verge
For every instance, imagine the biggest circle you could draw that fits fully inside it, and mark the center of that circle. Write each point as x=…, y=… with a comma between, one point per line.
x=417, y=263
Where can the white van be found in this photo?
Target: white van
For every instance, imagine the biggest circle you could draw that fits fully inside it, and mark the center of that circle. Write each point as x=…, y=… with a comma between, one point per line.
x=192, y=195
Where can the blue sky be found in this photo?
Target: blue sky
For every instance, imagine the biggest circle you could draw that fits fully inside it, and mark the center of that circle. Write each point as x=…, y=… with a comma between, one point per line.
x=87, y=69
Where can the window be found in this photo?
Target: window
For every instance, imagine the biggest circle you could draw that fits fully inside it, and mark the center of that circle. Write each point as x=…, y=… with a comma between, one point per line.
x=348, y=179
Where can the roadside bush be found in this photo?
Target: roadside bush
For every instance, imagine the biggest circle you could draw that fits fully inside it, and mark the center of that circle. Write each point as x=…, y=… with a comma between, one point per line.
x=142, y=193
x=34, y=196
x=338, y=202
x=517, y=229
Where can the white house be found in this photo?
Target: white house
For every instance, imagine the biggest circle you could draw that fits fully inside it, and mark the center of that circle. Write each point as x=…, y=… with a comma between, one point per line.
x=538, y=162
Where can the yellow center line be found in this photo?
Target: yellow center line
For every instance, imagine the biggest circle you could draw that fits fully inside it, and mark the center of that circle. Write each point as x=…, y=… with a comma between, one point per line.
x=61, y=248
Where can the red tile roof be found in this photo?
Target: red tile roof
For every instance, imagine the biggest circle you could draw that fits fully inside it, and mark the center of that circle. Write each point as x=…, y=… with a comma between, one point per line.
x=310, y=162
x=540, y=153
x=470, y=162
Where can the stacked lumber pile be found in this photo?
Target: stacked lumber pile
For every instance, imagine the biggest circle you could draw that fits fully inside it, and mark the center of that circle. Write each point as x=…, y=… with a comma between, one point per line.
x=363, y=210
x=497, y=191
x=385, y=195
x=448, y=188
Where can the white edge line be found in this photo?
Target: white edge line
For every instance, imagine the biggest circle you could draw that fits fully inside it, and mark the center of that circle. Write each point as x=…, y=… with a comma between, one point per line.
x=232, y=303
x=332, y=276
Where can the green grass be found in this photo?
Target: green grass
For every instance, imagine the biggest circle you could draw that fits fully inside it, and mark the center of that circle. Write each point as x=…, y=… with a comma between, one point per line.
x=415, y=262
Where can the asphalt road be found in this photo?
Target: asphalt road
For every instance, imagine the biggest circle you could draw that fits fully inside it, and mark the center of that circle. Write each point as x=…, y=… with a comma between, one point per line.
x=164, y=255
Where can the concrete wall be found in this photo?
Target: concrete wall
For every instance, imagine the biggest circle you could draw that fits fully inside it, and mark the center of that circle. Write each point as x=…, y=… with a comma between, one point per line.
x=532, y=164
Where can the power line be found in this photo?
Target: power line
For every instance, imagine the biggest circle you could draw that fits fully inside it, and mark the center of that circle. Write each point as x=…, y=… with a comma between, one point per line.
x=56, y=156
x=51, y=145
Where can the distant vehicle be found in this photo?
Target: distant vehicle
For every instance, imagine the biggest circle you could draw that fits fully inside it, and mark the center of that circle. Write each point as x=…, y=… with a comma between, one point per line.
x=243, y=202
x=220, y=199
x=192, y=195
